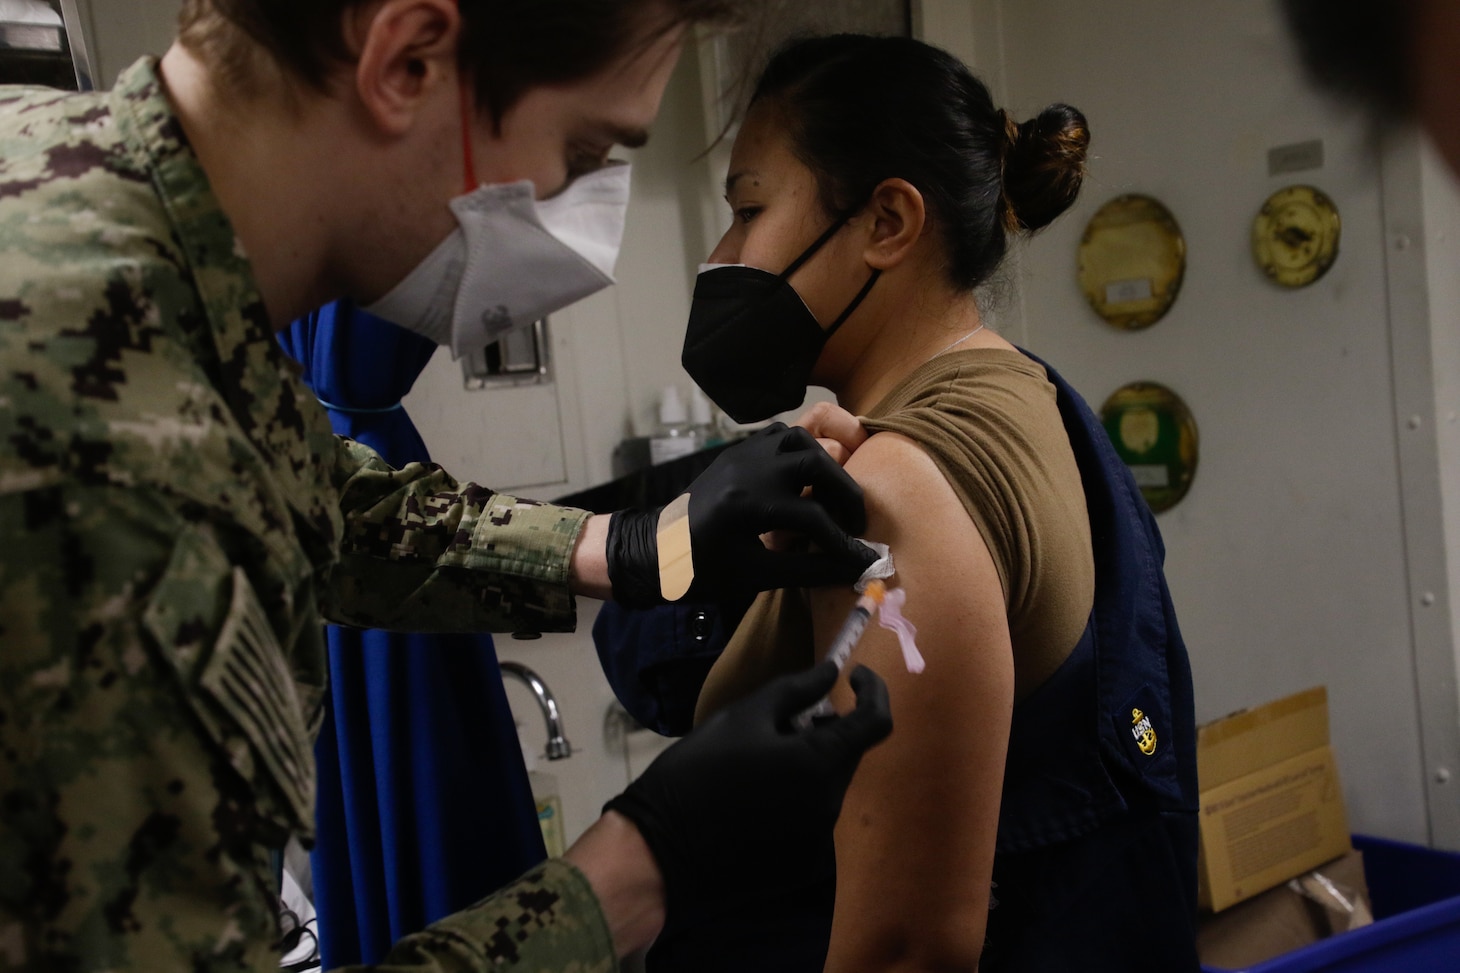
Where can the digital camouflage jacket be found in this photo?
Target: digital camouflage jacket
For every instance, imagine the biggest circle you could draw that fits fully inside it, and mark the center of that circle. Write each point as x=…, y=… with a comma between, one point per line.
x=175, y=519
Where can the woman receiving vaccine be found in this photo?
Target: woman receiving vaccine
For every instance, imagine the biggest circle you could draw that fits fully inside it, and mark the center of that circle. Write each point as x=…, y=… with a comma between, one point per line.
x=1034, y=808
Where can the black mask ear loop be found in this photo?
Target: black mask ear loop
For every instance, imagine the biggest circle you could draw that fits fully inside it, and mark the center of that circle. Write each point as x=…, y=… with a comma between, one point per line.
x=810, y=252
x=856, y=303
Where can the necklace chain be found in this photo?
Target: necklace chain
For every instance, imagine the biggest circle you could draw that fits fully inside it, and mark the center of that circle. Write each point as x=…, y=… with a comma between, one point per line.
x=955, y=344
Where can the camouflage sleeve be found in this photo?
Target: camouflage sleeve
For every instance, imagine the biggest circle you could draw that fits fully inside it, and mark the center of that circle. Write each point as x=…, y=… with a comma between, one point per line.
x=547, y=922
x=450, y=557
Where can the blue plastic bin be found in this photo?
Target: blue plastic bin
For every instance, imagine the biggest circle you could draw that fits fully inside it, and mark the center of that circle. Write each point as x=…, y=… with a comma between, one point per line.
x=1415, y=893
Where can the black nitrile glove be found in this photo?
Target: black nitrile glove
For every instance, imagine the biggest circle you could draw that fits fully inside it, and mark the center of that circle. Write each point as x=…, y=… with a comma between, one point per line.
x=750, y=489
x=746, y=798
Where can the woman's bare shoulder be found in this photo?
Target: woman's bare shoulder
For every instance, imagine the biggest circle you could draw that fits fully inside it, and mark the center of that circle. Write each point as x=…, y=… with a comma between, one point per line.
x=906, y=491
x=890, y=463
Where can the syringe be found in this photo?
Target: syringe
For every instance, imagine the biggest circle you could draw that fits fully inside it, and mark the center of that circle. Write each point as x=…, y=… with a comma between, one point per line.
x=856, y=623
x=846, y=639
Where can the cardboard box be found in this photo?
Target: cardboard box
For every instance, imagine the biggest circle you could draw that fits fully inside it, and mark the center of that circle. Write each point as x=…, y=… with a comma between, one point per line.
x=1271, y=805
x=1332, y=900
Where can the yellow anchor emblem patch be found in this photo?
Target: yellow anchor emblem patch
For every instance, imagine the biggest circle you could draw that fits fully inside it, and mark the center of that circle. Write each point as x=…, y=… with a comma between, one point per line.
x=1143, y=731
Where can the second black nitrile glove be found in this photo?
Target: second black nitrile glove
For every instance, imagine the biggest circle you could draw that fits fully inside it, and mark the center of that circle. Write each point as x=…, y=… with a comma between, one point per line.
x=746, y=797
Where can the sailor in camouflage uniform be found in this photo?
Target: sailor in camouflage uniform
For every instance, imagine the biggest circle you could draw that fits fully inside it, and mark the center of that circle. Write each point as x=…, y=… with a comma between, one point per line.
x=176, y=517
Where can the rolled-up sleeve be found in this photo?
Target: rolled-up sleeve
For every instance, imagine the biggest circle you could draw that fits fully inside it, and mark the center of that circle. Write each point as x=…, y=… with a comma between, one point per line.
x=422, y=552
x=547, y=922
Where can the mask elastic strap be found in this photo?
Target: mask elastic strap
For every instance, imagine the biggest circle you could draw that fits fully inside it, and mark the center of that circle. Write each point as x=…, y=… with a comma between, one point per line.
x=469, y=164
x=856, y=302
x=810, y=251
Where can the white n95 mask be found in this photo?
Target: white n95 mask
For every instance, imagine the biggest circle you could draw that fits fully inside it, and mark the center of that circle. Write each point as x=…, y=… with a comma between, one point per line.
x=512, y=260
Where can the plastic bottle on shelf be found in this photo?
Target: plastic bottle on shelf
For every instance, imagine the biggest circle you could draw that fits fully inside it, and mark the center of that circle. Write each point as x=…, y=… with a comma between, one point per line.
x=675, y=437
x=546, y=795
x=702, y=419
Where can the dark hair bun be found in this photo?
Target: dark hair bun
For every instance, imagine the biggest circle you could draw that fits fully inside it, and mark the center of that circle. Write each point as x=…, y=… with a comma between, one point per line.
x=1044, y=165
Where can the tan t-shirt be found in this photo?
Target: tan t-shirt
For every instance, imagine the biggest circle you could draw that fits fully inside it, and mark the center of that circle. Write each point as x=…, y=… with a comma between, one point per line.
x=988, y=419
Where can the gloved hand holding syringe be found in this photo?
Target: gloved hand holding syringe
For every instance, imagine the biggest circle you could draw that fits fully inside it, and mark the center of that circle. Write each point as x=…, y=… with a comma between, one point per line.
x=876, y=601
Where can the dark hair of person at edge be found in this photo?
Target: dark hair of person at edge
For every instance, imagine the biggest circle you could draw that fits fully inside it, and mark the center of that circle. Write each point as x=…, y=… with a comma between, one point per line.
x=919, y=115
x=1359, y=49
x=507, y=47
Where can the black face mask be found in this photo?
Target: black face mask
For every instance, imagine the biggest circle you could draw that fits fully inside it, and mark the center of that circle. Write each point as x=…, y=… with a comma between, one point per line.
x=752, y=342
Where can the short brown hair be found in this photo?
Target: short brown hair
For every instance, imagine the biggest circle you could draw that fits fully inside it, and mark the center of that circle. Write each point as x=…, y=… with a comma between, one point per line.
x=507, y=45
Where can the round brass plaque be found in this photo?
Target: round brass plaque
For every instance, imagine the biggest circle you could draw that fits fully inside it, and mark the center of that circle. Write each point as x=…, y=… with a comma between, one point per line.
x=1155, y=434
x=1295, y=236
x=1132, y=260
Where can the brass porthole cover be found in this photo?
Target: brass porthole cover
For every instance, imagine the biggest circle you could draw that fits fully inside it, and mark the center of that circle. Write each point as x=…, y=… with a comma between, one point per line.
x=1155, y=434
x=1132, y=261
x=1295, y=236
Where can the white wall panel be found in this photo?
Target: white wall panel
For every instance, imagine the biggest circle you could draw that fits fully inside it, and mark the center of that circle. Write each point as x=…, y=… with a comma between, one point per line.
x=1287, y=559
x=120, y=31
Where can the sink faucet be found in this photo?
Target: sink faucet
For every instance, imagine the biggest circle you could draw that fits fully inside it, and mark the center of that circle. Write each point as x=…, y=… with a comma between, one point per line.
x=558, y=747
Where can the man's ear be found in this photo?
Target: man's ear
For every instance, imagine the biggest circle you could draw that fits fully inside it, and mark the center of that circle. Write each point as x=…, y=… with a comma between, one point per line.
x=898, y=219
x=404, y=51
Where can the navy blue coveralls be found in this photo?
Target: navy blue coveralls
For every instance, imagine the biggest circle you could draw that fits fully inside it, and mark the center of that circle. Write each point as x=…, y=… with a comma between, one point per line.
x=1095, y=864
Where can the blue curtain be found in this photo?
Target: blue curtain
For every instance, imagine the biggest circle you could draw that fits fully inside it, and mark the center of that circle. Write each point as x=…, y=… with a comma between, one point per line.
x=424, y=805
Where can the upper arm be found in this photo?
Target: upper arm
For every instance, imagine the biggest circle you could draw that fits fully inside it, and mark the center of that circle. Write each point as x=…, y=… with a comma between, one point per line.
x=915, y=841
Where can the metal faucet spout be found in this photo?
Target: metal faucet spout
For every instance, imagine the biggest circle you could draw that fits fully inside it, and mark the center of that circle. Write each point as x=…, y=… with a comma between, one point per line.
x=558, y=747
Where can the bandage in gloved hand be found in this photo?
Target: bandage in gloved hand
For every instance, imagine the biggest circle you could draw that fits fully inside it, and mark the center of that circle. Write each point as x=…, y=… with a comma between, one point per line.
x=707, y=544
